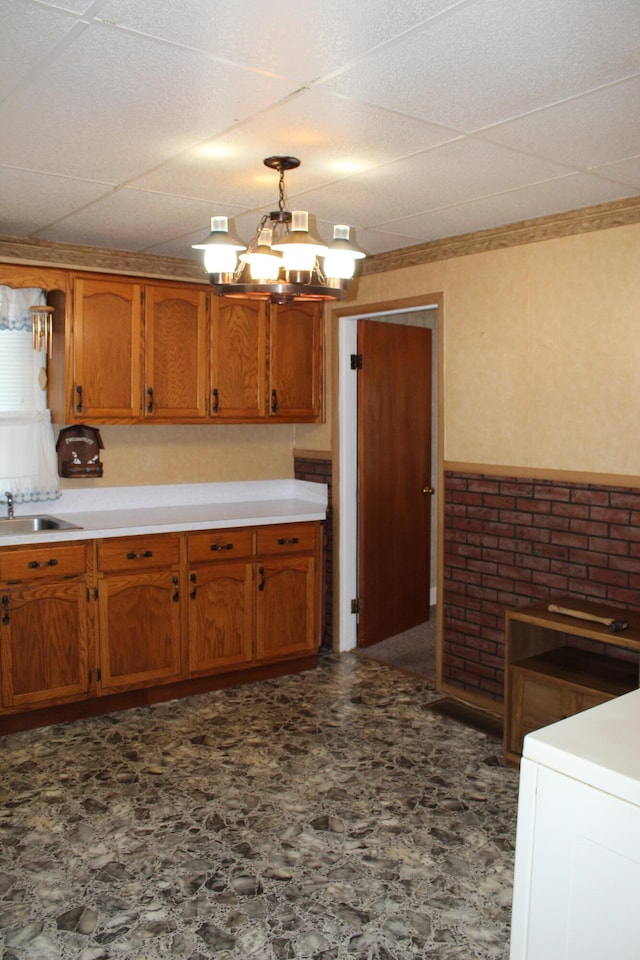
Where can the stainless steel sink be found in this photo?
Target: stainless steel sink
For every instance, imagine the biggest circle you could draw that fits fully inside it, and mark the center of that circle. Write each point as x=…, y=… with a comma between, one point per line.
x=35, y=524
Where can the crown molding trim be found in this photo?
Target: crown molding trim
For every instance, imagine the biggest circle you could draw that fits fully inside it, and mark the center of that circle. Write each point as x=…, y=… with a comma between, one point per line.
x=604, y=216
x=25, y=250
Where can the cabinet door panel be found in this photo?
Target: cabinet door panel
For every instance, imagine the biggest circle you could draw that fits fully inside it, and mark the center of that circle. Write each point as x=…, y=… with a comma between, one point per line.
x=295, y=362
x=176, y=353
x=286, y=608
x=238, y=359
x=220, y=617
x=139, y=630
x=107, y=348
x=43, y=635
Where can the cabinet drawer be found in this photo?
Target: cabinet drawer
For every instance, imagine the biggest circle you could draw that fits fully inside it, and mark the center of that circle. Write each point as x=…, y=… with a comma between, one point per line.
x=220, y=545
x=136, y=553
x=287, y=538
x=31, y=563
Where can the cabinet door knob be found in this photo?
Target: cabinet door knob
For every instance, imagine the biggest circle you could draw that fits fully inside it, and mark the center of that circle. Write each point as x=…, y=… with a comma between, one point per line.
x=428, y=491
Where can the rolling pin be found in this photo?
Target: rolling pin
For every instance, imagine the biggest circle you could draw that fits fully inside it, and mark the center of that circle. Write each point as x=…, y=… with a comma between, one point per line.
x=610, y=622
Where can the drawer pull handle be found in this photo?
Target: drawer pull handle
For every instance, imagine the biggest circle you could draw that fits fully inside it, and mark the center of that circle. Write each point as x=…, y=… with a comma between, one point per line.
x=193, y=586
x=176, y=589
x=262, y=578
x=5, y=609
x=33, y=564
x=140, y=556
x=79, y=403
x=216, y=401
x=150, y=401
x=274, y=401
x=221, y=546
x=282, y=540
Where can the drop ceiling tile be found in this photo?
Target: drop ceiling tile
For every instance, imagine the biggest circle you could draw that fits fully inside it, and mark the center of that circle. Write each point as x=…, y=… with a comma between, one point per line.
x=585, y=132
x=31, y=201
x=486, y=62
x=115, y=105
x=134, y=220
x=293, y=39
x=27, y=35
x=623, y=171
x=455, y=172
x=539, y=200
x=333, y=137
x=76, y=6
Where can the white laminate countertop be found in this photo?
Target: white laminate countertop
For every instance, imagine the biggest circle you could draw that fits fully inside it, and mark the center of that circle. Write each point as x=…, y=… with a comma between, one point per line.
x=121, y=511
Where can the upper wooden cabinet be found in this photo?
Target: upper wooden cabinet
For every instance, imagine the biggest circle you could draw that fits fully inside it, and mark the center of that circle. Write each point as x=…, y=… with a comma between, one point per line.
x=176, y=336
x=295, y=362
x=267, y=361
x=238, y=359
x=107, y=350
x=127, y=350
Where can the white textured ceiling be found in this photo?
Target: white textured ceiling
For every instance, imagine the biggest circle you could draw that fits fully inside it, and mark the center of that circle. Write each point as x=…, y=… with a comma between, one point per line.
x=129, y=123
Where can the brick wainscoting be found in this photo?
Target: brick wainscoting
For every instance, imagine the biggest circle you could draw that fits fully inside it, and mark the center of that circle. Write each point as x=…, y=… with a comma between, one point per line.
x=510, y=542
x=320, y=471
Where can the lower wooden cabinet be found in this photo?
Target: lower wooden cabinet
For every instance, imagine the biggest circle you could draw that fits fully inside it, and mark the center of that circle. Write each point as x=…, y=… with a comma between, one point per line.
x=44, y=627
x=221, y=600
x=287, y=613
x=97, y=620
x=138, y=612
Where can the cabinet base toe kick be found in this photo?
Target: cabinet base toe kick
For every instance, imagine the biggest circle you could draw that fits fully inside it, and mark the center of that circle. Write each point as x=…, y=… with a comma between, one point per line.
x=149, y=696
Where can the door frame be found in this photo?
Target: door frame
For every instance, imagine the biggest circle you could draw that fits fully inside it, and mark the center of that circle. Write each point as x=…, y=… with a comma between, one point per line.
x=346, y=445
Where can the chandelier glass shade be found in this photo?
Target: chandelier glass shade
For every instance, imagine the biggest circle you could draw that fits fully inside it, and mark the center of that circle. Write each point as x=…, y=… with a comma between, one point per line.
x=284, y=261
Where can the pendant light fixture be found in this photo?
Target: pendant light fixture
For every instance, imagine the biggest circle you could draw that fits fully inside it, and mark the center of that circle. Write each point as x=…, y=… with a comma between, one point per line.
x=283, y=262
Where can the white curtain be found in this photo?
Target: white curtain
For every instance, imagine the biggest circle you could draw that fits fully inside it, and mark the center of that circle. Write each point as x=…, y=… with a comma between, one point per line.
x=28, y=463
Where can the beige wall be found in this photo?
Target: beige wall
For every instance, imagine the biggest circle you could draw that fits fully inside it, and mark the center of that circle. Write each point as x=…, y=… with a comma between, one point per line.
x=151, y=453
x=541, y=352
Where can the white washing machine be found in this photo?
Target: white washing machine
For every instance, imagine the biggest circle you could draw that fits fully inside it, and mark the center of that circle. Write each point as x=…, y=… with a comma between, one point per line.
x=577, y=868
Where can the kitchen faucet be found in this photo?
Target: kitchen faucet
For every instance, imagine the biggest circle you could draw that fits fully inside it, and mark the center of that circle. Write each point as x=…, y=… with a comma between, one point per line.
x=9, y=501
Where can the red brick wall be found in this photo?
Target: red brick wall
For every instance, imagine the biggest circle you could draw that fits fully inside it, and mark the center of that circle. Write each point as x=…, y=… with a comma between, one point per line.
x=510, y=542
x=320, y=471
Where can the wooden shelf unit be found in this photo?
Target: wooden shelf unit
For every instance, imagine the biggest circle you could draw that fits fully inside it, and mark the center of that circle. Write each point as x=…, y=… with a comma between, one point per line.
x=557, y=665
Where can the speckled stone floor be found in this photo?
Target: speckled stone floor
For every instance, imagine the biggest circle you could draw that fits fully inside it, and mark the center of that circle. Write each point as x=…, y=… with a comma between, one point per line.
x=327, y=815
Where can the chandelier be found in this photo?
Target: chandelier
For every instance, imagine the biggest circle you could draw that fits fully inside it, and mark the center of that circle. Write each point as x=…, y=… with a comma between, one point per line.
x=283, y=262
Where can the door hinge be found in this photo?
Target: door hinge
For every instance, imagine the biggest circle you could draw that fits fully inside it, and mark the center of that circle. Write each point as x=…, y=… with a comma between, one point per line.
x=356, y=361
x=356, y=605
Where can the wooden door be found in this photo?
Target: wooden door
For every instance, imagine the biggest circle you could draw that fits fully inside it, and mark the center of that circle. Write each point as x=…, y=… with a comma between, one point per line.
x=394, y=468
x=43, y=644
x=176, y=353
x=107, y=350
x=296, y=362
x=238, y=359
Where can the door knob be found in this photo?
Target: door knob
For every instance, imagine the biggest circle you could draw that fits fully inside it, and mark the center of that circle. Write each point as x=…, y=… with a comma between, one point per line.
x=428, y=491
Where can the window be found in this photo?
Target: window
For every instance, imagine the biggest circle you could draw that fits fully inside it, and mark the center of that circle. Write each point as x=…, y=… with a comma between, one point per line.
x=27, y=451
